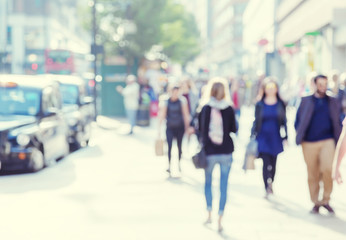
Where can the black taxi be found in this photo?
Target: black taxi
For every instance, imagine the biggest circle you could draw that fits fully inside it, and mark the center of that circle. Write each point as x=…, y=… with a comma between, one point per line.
x=78, y=109
x=33, y=132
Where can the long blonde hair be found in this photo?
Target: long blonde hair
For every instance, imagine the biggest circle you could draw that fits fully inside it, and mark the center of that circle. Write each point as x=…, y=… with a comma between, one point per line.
x=209, y=90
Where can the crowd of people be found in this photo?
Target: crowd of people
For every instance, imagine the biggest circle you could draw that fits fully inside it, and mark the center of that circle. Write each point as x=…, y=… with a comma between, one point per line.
x=212, y=113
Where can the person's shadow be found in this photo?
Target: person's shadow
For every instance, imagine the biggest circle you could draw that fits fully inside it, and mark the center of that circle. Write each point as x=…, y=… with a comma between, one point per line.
x=325, y=220
x=223, y=234
x=60, y=175
x=195, y=185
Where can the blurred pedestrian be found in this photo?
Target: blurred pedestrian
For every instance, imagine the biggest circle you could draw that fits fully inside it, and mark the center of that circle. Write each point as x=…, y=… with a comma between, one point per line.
x=310, y=86
x=235, y=97
x=270, y=118
x=318, y=128
x=257, y=87
x=131, y=99
x=340, y=153
x=146, y=96
x=190, y=92
x=216, y=122
x=336, y=89
x=334, y=77
x=175, y=111
x=341, y=95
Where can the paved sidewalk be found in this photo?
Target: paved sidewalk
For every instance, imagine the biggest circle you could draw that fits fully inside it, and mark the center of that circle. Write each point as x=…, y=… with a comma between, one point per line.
x=150, y=205
x=118, y=189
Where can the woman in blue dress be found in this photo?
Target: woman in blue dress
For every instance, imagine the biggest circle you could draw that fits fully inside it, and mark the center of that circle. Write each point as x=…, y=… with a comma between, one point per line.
x=270, y=118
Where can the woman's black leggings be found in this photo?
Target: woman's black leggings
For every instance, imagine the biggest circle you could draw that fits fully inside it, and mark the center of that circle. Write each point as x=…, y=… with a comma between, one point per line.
x=172, y=133
x=269, y=168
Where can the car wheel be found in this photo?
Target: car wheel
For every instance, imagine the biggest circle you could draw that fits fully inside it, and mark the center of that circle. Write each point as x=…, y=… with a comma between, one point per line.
x=82, y=138
x=67, y=148
x=37, y=161
x=74, y=147
x=87, y=135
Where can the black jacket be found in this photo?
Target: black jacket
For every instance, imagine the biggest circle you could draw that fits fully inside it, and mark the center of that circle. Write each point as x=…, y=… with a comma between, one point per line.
x=229, y=125
x=282, y=120
x=304, y=114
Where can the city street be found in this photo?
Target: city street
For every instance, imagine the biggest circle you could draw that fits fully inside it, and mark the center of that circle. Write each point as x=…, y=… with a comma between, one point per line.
x=118, y=189
x=69, y=69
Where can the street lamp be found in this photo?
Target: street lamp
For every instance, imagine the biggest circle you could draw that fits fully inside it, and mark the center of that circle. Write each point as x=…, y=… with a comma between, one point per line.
x=94, y=52
x=3, y=34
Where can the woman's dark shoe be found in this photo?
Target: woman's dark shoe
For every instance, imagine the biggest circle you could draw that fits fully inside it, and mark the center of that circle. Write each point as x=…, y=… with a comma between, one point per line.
x=269, y=191
x=169, y=171
x=315, y=210
x=329, y=208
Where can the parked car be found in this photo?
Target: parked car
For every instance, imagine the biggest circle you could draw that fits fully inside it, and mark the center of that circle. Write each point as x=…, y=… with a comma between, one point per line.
x=33, y=132
x=78, y=109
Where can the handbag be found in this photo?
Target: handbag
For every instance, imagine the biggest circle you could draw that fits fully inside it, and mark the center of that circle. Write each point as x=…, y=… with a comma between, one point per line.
x=159, y=147
x=200, y=159
x=251, y=154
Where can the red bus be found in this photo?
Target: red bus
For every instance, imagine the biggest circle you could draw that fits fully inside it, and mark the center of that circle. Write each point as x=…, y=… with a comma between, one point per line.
x=59, y=61
x=66, y=62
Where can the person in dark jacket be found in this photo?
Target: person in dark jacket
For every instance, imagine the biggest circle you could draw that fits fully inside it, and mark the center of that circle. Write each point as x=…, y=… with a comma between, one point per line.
x=216, y=122
x=270, y=118
x=318, y=127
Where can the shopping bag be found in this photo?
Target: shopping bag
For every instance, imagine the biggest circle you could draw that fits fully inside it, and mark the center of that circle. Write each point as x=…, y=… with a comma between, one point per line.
x=159, y=147
x=154, y=108
x=251, y=154
x=250, y=163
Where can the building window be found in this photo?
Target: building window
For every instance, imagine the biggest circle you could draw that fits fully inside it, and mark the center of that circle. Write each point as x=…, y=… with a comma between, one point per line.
x=29, y=7
x=9, y=35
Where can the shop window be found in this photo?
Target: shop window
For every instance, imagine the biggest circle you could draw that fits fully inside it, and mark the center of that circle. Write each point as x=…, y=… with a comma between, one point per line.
x=9, y=35
x=33, y=7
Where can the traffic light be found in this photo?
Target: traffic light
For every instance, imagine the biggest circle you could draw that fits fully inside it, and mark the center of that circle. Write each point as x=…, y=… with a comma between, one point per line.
x=34, y=66
x=91, y=83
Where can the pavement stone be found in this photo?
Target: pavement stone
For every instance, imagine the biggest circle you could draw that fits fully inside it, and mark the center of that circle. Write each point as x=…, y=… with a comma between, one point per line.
x=248, y=215
x=118, y=189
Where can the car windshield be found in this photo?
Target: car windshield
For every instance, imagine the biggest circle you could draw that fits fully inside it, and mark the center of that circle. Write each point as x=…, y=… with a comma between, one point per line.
x=19, y=101
x=69, y=93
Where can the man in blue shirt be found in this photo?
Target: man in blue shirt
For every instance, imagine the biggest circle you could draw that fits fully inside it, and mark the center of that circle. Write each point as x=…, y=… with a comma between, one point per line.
x=318, y=128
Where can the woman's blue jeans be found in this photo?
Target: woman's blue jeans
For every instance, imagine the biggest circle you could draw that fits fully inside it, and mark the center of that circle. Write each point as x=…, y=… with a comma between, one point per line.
x=225, y=161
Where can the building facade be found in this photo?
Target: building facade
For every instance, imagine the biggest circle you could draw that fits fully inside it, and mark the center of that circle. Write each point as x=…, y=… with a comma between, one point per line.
x=199, y=9
x=225, y=39
x=221, y=27
x=306, y=36
x=31, y=26
x=318, y=43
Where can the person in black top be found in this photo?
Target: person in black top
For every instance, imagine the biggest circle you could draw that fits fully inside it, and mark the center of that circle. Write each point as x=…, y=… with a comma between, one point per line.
x=175, y=111
x=216, y=122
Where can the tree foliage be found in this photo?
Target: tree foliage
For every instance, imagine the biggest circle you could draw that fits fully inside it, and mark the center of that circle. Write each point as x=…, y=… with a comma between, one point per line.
x=146, y=16
x=180, y=35
x=158, y=22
